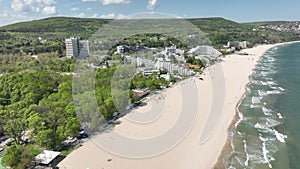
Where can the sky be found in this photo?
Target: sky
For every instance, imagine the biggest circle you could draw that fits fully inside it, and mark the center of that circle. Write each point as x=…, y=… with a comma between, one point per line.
x=12, y=11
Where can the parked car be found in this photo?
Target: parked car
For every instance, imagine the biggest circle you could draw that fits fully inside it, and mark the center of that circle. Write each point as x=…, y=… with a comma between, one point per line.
x=82, y=134
x=3, y=138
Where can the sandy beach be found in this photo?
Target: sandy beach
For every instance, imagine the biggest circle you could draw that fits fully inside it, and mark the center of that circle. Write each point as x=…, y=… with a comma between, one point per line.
x=183, y=127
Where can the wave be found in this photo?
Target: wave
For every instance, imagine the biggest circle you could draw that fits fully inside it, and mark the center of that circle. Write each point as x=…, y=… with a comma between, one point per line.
x=280, y=137
x=256, y=139
x=267, y=112
x=247, y=155
x=252, y=106
x=265, y=152
x=262, y=93
x=267, y=125
x=264, y=83
x=256, y=100
x=280, y=116
x=241, y=118
x=274, y=92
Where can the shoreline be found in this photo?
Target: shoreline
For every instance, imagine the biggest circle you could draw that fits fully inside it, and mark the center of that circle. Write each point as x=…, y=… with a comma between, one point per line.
x=227, y=148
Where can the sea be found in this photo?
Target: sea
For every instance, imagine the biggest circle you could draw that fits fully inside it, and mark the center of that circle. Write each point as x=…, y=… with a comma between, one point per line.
x=268, y=134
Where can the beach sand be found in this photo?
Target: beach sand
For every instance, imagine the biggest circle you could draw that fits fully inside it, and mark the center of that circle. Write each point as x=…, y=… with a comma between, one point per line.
x=201, y=112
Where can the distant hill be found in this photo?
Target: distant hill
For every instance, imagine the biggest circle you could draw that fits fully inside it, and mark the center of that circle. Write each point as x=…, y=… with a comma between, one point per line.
x=219, y=31
x=57, y=24
x=68, y=24
x=215, y=24
x=282, y=26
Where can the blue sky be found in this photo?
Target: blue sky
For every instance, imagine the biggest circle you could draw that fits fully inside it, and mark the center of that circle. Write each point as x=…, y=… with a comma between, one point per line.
x=238, y=10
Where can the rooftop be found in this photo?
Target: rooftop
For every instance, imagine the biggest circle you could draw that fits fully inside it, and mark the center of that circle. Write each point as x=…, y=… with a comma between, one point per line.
x=46, y=157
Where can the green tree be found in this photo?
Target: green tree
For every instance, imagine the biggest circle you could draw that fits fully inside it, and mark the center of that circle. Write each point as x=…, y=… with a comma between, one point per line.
x=12, y=156
x=15, y=128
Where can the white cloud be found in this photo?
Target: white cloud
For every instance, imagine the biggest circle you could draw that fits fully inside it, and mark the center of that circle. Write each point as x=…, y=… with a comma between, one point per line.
x=110, y=2
x=38, y=10
x=110, y=16
x=19, y=5
x=152, y=4
x=89, y=9
x=9, y=17
x=49, y=10
x=115, y=2
x=81, y=15
x=46, y=2
x=35, y=6
x=74, y=9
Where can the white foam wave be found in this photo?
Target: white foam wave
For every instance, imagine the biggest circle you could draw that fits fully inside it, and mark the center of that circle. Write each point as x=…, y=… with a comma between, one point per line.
x=280, y=137
x=264, y=73
x=273, y=92
x=241, y=118
x=259, y=126
x=271, y=83
x=265, y=152
x=255, y=82
x=262, y=139
x=279, y=116
x=264, y=83
x=247, y=155
x=270, y=58
x=240, y=134
x=239, y=161
x=277, y=88
x=254, y=106
x=262, y=93
x=272, y=123
x=256, y=100
x=267, y=112
x=267, y=125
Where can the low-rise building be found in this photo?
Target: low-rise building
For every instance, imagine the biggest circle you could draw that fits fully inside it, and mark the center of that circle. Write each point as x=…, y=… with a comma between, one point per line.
x=163, y=64
x=150, y=71
x=237, y=45
x=144, y=62
x=171, y=49
x=140, y=93
x=167, y=77
x=204, y=51
x=47, y=158
x=122, y=49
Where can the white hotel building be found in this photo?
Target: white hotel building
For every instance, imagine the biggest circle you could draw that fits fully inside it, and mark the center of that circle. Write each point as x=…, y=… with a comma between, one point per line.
x=76, y=48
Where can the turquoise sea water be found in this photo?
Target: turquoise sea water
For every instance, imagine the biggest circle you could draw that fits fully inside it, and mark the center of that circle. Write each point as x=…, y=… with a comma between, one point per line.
x=268, y=136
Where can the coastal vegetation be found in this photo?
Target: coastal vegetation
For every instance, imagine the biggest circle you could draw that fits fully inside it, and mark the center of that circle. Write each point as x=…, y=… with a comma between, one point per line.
x=47, y=35
x=37, y=107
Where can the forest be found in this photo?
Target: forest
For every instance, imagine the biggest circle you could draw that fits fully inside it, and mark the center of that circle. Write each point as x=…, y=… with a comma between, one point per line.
x=37, y=101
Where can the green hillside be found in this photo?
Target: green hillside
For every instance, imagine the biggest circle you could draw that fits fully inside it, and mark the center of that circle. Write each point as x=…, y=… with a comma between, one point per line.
x=57, y=24
x=22, y=37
